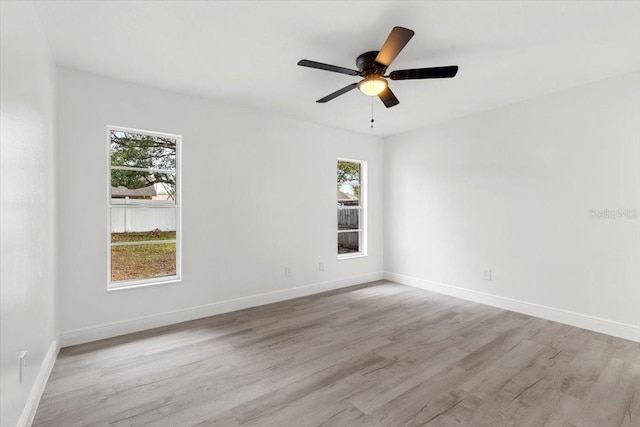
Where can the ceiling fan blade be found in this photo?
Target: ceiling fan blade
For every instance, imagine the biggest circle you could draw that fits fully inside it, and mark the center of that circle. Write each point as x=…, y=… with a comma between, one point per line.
x=388, y=98
x=397, y=40
x=327, y=67
x=337, y=93
x=425, y=73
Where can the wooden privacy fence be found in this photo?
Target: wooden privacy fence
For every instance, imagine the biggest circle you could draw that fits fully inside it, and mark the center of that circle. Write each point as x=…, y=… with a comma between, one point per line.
x=348, y=219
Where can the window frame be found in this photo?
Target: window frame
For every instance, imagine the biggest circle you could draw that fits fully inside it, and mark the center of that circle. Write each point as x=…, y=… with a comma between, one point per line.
x=362, y=207
x=152, y=281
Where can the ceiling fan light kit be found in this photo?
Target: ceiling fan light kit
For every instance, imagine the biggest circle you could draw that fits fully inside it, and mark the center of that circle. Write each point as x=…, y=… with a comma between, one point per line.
x=372, y=85
x=373, y=65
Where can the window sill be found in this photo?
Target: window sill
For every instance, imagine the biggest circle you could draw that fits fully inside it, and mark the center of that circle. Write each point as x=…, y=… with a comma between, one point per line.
x=351, y=256
x=142, y=284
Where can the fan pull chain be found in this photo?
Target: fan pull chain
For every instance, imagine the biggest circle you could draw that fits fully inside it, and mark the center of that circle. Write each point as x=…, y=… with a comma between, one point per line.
x=372, y=112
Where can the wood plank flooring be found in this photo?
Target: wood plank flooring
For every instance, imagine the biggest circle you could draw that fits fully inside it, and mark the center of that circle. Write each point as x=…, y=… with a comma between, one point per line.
x=380, y=354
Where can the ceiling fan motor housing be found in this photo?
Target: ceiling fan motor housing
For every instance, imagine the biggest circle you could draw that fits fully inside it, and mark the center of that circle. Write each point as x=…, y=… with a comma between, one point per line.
x=366, y=64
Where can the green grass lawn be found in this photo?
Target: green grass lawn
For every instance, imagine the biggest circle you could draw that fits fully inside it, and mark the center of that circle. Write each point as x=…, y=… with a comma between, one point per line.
x=143, y=236
x=143, y=261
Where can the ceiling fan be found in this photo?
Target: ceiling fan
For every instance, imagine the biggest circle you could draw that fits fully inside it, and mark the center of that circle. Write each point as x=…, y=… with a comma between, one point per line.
x=373, y=65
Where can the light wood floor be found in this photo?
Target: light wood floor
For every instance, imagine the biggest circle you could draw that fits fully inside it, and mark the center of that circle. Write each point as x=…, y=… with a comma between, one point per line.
x=372, y=355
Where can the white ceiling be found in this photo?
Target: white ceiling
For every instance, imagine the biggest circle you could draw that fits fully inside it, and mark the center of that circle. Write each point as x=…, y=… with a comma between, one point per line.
x=245, y=53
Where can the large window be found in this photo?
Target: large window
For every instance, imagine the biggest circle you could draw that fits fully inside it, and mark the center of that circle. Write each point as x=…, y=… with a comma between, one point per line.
x=144, y=208
x=352, y=214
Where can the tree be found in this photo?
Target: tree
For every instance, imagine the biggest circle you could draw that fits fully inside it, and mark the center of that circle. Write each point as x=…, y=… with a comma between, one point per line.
x=349, y=176
x=144, y=152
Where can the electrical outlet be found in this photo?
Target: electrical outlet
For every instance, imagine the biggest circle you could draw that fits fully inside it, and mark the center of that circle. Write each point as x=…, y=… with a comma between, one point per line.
x=287, y=272
x=321, y=266
x=486, y=274
x=23, y=365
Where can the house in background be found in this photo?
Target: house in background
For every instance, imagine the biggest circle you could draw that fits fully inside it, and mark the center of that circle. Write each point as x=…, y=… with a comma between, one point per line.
x=346, y=200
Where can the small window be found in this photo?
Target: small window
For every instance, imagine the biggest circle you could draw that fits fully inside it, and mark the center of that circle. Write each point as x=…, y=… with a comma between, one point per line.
x=143, y=208
x=352, y=214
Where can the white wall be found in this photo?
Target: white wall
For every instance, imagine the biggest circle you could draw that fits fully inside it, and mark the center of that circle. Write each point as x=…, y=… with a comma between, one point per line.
x=27, y=211
x=258, y=195
x=512, y=190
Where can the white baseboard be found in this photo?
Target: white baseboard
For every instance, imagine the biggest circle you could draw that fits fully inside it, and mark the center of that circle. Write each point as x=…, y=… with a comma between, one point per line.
x=109, y=330
x=29, y=411
x=584, y=321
